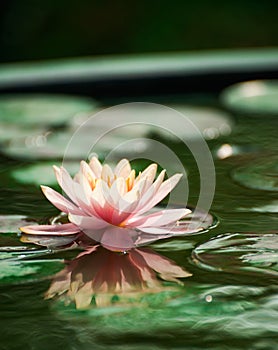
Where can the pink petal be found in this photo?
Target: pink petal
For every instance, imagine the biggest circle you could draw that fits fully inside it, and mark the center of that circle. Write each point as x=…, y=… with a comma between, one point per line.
x=118, y=238
x=102, y=202
x=65, y=181
x=87, y=222
x=101, y=192
x=60, y=202
x=161, y=218
x=117, y=191
x=86, y=193
x=147, y=238
x=57, y=230
x=114, y=238
x=72, y=189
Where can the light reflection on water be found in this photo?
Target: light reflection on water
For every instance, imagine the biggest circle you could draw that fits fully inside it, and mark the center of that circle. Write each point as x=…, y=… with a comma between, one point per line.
x=213, y=310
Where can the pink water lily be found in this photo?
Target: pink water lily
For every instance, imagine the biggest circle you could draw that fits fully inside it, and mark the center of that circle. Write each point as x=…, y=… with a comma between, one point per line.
x=112, y=206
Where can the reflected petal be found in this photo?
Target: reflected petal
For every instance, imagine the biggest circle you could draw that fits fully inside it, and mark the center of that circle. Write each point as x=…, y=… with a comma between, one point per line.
x=100, y=274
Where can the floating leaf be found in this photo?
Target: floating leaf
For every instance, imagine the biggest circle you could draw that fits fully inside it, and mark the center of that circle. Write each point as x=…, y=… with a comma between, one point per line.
x=110, y=129
x=260, y=174
x=258, y=97
x=243, y=253
x=42, y=173
x=42, y=109
x=11, y=223
x=23, y=271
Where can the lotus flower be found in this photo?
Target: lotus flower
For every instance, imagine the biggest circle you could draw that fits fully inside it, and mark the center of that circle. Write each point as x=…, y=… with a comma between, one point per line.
x=112, y=207
x=102, y=274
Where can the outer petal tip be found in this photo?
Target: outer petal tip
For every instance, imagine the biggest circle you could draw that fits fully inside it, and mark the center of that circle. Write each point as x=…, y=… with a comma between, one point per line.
x=44, y=189
x=56, y=168
x=187, y=211
x=56, y=230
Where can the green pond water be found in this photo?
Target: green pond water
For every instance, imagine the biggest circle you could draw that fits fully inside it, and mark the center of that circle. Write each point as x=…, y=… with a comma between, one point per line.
x=230, y=301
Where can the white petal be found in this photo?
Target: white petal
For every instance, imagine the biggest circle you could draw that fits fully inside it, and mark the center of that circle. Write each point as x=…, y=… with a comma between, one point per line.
x=150, y=193
x=165, y=188
x=86, y=189
x=122, y=169
x=96, y=166
x=87, y=171
x=148, y=173
x=169, y=230
x=107, y=174
x=161, y=218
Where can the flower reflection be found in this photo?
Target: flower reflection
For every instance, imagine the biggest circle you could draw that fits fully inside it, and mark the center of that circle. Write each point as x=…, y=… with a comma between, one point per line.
x=113, y=206
x=98, y=276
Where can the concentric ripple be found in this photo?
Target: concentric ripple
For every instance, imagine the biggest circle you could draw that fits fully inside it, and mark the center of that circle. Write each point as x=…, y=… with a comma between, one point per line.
x=243, y=253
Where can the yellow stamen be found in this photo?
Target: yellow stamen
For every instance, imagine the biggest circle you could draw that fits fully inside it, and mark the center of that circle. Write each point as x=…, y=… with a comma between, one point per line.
x=91, y=180
x=130, y=180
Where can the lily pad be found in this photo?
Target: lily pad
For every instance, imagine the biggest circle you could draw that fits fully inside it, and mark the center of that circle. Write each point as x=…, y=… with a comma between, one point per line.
x=258, y=97
x=211, y=122
x=15, y=253
x=42, y=173
x=271, y=207
x=126, y=130
x=243, y=253
x=51, y=242
x=11, y=223
x=42, y=109
x=9, y=132
x=54, y=145
x=23, y=271
x=260, y=174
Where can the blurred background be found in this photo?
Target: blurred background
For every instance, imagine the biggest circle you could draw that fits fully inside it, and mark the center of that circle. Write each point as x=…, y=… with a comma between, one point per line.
x=35, y=30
